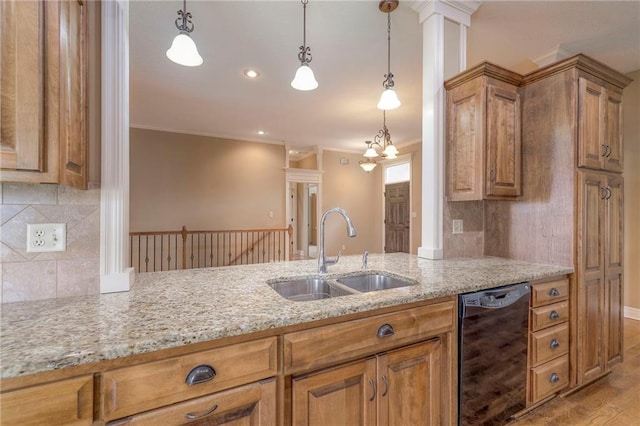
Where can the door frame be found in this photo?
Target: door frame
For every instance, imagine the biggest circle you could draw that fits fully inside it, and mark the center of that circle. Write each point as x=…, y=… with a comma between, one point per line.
x=404, y=158
x=302, y=176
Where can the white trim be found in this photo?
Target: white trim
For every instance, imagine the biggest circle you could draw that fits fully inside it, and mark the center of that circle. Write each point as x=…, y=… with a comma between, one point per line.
x=632, y=313
x=205, y=134
x=457, y=11
x=556, y=54
x=115, y=275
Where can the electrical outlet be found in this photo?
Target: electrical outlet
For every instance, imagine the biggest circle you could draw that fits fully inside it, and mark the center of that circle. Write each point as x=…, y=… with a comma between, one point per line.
x=457, y=226
x=43, y=237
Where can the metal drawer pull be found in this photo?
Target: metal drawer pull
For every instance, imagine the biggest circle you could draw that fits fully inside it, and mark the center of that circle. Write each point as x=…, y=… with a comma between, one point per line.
x=373, y=387
x=554, y=292
x=554, y=315
x=554, y=344
x=386, y=385
x=385, y=330
x=192, y=416
x=554, y=378
x=200, y=374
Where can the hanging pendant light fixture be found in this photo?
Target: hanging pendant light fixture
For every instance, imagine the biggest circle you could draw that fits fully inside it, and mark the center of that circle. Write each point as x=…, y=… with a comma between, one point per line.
x=389, y=98
x=304, y=78
x=183, y=50
x=383, y=141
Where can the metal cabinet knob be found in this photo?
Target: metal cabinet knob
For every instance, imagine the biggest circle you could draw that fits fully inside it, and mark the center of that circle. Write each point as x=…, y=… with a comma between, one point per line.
x=554, y=292
x=385, y=330
x=554, y=315
x=554, y=344
x=554, y=378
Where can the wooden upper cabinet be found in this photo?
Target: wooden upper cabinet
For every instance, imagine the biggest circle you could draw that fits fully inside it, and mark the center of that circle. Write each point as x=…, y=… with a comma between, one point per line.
x=43, y=101
x=599, y=127
x=483, y=135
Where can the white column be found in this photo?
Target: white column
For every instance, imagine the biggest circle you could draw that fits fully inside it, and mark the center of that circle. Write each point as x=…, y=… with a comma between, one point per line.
x=115, y=275
x=434, y=45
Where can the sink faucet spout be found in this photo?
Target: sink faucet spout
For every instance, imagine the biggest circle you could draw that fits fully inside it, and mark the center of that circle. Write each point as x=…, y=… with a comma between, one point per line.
x=323, y=260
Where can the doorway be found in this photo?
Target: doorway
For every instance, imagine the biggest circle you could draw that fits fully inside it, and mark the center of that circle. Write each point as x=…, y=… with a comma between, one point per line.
x=397, y=207
x=304, y=189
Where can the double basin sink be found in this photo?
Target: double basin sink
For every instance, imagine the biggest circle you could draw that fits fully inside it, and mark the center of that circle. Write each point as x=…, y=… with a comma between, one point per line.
x=315, y=288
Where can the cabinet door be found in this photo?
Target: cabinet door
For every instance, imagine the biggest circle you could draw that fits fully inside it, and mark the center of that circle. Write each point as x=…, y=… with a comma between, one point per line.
x=411, y=385
x=465, y=141
x=341, y=396
x=503, y=143
x=613, y=268
x=590, y=276
x=591, y=124
x=253, y=404
x=613, y=133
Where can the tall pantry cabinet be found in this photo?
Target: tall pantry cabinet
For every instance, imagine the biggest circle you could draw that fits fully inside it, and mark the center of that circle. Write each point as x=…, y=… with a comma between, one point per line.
x=570, y=211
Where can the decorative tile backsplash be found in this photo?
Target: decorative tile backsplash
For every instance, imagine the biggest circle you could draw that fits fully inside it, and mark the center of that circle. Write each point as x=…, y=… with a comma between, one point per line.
x=32, y=276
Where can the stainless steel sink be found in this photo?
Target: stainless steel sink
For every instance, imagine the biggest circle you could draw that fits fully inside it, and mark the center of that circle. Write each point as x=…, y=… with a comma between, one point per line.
x=374, y=281
x=306, y=289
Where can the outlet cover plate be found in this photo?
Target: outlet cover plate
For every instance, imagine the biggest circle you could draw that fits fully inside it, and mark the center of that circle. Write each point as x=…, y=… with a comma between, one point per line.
x=457, y=226
x=45, y=237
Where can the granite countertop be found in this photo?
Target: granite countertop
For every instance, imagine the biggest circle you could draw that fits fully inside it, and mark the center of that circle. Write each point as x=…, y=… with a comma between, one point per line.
x=170, y=309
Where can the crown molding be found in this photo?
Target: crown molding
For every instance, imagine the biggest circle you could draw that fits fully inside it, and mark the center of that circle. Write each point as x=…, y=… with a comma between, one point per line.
x=454, y=10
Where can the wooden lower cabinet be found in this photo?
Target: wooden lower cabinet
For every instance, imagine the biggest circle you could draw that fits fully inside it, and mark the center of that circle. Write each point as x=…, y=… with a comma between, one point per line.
x=253, y=404
x=399, y=387
x=65, y=402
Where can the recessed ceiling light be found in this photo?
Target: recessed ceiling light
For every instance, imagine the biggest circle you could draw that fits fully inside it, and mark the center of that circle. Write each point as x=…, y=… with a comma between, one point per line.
x=252, y=74
x=260, y=132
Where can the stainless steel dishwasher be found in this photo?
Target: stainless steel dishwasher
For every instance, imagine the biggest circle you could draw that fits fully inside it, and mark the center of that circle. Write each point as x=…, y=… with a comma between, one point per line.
x=492, y=354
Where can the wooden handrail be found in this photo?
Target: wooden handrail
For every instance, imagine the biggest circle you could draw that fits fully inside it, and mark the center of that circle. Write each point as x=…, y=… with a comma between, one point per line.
x=184, y=234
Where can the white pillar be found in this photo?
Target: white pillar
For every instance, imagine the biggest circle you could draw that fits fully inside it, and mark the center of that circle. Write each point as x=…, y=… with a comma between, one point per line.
x=434, y=47
x=115, y=275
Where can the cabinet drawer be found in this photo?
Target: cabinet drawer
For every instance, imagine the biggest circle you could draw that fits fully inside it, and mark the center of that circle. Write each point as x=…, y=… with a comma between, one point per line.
x=144, y=387
x=67, y=402
x=546, y=316
x=549, y=343
x=549, y=378
x=549, y=292
x=254, y=403
x=332, y=344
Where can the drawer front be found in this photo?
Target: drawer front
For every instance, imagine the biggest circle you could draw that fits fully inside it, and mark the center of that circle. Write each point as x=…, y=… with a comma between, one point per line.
x=67, y=402
x=549, y=378
x=546, y=316
x=549, y=343
x=253, y=404
x=332, y=344
x=144, y=387
x=549, y=292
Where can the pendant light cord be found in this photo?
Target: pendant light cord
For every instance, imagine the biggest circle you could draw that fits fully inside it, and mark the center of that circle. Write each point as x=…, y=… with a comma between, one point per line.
x=388, y=43
x=304, y=56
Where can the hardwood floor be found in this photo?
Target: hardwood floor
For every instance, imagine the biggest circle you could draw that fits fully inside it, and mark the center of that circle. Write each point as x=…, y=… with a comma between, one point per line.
x=613, y=400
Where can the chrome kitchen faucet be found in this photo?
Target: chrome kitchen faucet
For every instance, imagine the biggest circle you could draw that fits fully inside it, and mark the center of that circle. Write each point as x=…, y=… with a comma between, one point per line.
x=323, y=260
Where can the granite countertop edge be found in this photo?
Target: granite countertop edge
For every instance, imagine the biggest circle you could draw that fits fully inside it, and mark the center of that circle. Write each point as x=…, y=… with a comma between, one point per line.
x=176, y=308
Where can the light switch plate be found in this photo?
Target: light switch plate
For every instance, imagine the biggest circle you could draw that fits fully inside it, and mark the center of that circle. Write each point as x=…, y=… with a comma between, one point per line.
x=45, y=237
x=457, y=226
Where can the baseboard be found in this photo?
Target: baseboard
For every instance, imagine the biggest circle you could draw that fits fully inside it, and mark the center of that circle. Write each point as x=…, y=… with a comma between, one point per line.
x=632, y=313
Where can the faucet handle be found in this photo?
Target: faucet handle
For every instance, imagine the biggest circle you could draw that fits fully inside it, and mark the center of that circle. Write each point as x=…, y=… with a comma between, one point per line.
x=338, y=256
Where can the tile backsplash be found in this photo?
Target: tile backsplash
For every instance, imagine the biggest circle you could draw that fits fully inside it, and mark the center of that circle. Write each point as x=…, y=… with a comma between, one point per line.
x=32, y=276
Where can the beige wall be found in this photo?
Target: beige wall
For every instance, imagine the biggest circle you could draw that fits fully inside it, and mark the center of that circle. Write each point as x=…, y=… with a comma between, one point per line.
x=32, y=276
x=204, y=183
x=632, y=193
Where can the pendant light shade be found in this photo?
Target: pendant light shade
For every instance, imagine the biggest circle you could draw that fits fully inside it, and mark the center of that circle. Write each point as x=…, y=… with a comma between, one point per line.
x=183, y=50
x=368, y=165
x=389, y=99
x=304, y=78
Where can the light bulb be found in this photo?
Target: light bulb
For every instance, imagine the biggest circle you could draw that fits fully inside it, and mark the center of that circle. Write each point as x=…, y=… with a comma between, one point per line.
x=183, y=51
x=304, y=79
x=389, y=100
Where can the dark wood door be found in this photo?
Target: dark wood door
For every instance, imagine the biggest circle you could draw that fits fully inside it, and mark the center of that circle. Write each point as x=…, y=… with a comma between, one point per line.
x=397, y=218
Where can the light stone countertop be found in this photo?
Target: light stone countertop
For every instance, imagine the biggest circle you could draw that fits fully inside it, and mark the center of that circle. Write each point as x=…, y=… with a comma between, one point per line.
x=170, y=309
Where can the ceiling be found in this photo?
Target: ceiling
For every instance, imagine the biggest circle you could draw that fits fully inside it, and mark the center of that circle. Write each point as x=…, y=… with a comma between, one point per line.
x=348, y=45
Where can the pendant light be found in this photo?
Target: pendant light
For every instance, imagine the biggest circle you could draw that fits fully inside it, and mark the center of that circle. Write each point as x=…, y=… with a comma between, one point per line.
x=389, y=99
x=383, y=141
x=304, y=78
x=183, y=50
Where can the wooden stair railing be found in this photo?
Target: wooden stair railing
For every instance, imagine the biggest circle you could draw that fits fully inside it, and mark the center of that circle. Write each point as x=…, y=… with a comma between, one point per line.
x=184, y=249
